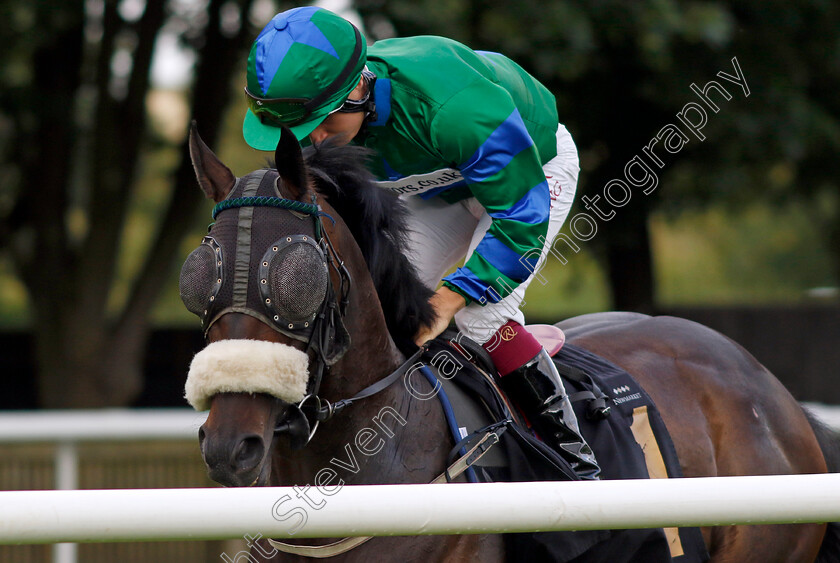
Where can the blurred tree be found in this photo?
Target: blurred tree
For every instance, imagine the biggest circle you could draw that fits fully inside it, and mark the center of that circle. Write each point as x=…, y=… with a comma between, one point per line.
x=780, y=146
x=75, y=75
x=622, y=71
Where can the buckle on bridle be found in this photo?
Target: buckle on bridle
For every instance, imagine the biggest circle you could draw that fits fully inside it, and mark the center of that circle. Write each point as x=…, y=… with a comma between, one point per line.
x=296, y=424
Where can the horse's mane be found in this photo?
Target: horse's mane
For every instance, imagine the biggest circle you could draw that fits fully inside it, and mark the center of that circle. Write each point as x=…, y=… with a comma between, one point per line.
x=377, y=220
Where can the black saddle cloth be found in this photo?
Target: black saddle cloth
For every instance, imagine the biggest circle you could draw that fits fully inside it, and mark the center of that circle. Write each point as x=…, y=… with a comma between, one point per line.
x=616, y=441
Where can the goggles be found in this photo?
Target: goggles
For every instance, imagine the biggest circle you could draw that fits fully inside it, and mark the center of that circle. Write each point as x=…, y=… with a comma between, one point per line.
x=364, y=104
x=279, y=111
x=293, y=111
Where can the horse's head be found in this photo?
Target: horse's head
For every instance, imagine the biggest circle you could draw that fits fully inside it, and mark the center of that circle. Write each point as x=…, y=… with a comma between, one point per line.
x=270, y=288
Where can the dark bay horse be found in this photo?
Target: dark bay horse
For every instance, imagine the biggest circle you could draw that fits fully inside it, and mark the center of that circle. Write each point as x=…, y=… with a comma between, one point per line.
x=726, y=413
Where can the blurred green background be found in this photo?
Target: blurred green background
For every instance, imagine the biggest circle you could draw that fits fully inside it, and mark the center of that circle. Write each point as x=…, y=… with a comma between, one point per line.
x=99, y=205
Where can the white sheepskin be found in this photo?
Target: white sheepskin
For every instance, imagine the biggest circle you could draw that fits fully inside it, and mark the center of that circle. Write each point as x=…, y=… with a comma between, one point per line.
x=248, y=366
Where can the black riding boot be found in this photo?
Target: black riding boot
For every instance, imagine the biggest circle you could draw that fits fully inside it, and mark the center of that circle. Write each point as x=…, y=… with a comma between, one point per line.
x=536, y=388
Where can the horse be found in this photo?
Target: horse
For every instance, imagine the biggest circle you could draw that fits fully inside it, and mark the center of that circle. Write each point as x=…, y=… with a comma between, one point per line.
x=727, y=414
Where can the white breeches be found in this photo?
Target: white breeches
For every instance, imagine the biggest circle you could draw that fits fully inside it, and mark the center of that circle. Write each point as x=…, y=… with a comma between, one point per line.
x=443, y=234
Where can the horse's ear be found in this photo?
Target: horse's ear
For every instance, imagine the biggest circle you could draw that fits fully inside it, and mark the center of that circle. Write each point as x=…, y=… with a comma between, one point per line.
x=216, y=179
x=290, y=165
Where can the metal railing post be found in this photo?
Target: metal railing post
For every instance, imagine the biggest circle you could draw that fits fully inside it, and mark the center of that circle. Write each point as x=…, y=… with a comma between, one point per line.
x=66, y=478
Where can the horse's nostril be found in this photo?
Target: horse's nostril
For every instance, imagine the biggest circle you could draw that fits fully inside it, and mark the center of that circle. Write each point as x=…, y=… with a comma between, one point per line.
x=248, y=452
x=201, y=435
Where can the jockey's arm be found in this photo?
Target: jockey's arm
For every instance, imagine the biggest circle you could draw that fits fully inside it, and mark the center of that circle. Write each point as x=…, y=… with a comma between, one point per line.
x=445, y=303
x=501, y=164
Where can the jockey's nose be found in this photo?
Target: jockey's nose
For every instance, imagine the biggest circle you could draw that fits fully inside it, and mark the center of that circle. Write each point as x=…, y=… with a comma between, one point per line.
x=318, y=135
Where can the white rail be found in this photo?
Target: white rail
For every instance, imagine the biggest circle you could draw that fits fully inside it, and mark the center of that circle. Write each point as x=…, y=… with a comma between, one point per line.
x=68, y=428
x=99, y=425
x=829, y=414
x=179, y=514
x=159, y=424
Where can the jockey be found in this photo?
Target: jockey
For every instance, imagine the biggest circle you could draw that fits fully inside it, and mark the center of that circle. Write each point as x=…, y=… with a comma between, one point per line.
x=472, y=143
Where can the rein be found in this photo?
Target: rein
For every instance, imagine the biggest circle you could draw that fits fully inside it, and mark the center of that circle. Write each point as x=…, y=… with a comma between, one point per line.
x=483, y=439
x=328, y=410
x=302, y=420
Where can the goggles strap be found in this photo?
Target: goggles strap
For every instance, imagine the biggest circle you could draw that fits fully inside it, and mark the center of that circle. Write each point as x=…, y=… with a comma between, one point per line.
x=367, y=103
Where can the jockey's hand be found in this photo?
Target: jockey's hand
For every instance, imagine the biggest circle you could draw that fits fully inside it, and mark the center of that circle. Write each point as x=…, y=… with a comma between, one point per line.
x=445, y=303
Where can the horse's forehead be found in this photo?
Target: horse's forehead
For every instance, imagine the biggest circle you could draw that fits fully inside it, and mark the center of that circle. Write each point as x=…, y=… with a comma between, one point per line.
x=261, y=226
x=261, y=183
x=258, y=259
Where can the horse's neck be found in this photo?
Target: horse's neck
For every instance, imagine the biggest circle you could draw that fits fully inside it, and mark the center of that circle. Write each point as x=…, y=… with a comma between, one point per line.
x=372, y=353
x=391, y=437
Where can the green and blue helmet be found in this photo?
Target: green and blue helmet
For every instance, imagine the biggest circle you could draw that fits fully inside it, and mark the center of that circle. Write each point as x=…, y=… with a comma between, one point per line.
x=301, y=68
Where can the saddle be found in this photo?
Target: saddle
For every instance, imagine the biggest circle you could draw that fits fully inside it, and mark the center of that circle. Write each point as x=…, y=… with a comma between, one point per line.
x=617, y=418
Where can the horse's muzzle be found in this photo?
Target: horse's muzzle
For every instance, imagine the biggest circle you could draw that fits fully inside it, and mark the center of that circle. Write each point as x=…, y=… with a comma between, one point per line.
x=237, y=436
x=239, y=462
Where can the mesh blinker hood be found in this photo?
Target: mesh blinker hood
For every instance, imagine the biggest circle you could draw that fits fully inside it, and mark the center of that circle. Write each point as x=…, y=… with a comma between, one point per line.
x=262, y=261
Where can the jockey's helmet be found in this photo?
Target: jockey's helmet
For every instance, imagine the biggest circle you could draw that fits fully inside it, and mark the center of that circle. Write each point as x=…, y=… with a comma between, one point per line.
x=301, y=68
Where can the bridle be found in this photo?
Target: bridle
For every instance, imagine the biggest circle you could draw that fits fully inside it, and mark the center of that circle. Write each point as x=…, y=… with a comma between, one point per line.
x=301, y=420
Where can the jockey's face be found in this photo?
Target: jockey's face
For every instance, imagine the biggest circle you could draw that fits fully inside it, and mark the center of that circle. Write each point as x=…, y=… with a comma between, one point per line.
x=343, y=126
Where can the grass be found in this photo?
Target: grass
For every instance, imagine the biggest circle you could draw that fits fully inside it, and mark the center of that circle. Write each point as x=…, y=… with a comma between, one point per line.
x=758, y=256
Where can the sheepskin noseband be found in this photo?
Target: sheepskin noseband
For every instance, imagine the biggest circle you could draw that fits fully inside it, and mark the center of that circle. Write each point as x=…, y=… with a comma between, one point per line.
x=247, y=366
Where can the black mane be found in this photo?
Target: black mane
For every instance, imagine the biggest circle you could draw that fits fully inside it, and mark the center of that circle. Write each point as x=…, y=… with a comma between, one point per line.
x=377, y=220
